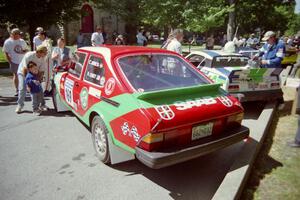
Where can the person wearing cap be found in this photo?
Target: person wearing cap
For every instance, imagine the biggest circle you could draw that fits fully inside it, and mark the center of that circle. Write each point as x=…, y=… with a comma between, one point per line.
x=97, y=37
x=252, y=41
x=38, y=58
x=39, y=39
x=14, y=48
x=272, y=52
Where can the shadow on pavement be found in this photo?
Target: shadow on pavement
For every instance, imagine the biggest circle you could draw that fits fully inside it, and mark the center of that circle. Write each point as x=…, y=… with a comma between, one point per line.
x=52, y=112
x=194, y=179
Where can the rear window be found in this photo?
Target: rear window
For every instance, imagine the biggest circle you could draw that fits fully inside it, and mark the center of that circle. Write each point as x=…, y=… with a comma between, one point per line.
x=230, y=61
x=151, y=72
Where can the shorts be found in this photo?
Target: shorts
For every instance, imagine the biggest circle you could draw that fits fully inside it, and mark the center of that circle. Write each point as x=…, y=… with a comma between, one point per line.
x=14, y=67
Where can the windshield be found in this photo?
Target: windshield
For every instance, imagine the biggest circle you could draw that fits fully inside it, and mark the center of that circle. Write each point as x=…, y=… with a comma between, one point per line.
x=152, y=72
x=230, y=61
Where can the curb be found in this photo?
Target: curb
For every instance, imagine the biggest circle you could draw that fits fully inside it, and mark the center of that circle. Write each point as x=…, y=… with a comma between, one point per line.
x=237, y=176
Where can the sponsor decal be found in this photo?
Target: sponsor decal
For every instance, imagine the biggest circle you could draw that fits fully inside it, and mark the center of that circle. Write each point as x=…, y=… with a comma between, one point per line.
x=133, y=132
x=84, y=95
x=165, y=112
x=69, y=84
x=184, y=105
x=110, y=86
x=94, y=92
x=95, y=63
x=225, y=101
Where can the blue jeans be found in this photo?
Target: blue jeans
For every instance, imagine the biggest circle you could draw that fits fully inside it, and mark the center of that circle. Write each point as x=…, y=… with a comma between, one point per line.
x=37, y=100
x=22, y=90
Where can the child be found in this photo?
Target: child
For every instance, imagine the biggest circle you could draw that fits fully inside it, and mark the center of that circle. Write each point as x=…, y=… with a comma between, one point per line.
x=34, y=87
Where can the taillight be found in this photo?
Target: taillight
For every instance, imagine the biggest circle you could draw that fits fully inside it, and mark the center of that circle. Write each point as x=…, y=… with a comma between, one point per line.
x=235, y=119
x=275, y=85
x=151, y=141
x=233, y=87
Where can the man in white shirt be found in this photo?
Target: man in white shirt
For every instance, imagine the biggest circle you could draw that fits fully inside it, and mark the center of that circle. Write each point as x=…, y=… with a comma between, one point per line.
x=14, y=48
x=252, y=41
x=38, y=57
x=175, y=43
x=97, y=37
x=140, y=38
x=39, y=39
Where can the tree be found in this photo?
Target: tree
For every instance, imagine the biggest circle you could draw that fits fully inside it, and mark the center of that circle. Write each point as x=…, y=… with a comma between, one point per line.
x=34, y=13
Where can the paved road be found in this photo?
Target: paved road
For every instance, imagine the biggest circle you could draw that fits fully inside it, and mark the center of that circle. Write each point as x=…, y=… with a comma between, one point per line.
x=51, y=157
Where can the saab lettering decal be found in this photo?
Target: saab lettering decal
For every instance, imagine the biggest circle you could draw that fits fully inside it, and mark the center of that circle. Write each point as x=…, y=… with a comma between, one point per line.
x=69, y=84
x=95, y=92
x=133, y=132
x=225, y=101
x=84, y=94
x=183, y=105
x=165, y=112
x=110, y=86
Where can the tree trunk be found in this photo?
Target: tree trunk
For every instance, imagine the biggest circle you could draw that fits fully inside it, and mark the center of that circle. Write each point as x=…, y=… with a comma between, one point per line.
x=166, y=32
x=31, y=29
x=231, y=22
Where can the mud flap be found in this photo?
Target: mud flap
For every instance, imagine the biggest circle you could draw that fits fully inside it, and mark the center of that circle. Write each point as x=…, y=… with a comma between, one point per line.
x=118, y=155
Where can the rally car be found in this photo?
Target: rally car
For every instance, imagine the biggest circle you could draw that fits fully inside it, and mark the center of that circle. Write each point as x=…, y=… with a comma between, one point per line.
x=237, y=77
x=147, y=103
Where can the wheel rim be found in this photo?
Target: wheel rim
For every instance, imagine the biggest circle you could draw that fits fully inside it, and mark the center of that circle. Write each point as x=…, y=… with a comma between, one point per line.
x=100, y=139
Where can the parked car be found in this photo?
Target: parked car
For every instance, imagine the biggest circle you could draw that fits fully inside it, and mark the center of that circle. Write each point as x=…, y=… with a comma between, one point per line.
x=147, y=103
x=235, y=75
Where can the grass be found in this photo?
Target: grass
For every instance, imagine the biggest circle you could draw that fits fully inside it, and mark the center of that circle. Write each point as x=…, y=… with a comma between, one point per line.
x=276, y=172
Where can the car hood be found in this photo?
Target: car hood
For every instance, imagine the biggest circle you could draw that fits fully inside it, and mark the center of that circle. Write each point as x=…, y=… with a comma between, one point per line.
x=174, y=108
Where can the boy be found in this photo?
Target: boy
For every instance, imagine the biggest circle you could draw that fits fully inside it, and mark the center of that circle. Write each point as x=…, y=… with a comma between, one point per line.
x=34, y=87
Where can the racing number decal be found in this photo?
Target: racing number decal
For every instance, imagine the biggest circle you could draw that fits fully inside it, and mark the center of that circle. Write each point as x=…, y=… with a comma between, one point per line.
x=69, y=84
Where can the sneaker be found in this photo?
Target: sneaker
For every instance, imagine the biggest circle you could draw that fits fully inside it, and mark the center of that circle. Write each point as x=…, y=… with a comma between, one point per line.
x=281, y=106
x=16, y=95
x=44, y=108
x=19, y=109
x=37, y=112
x=294, y=144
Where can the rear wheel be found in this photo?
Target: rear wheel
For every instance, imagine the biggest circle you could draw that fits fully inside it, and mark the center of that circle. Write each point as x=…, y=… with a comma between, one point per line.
x=99, y=138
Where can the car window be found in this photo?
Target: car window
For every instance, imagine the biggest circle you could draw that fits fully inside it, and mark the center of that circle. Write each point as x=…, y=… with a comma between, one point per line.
x=150, y=72
x=230, y=61
x=195, y=59
x=95, y=71
x=77, y=64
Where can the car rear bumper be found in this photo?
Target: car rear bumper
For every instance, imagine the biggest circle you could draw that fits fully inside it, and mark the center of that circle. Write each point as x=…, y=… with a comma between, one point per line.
x=158, y=160
x=263, y=95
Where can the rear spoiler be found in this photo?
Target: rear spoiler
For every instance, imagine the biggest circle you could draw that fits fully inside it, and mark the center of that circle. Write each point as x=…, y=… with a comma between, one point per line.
x=207, y=90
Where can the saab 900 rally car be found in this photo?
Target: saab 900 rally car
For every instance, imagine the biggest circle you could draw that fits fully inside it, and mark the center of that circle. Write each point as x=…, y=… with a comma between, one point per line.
x=232, y=71
x=147, y=103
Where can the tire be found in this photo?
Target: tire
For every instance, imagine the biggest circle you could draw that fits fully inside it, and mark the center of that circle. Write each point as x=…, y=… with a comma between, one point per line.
x=100, y=140
x=53, y=97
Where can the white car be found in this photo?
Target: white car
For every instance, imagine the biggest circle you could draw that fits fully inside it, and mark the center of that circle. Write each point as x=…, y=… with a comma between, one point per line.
x=235, y=75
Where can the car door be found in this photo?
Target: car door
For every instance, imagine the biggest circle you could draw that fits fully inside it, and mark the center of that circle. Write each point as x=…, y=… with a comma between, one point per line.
x=73, y=80
x=88, y=91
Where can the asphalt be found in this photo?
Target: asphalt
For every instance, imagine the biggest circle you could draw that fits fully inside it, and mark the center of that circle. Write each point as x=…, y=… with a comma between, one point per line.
x=51, y=157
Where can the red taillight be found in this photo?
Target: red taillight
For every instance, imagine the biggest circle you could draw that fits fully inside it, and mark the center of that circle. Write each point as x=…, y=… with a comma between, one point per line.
x=233, y=87
x=275, y=85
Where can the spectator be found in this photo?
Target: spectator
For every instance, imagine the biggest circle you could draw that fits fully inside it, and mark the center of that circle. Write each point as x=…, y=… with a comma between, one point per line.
x=120, y=40
x=272, y=52
x=210, y=42
x=174, y=43
x=31, y=56
x=140, y=38
x=145, y=41
x=97, y=37
x=34, y=87
x=80, y=40
x=14, y=48
x=39, y=39
x=252, y=41
x=61, y=55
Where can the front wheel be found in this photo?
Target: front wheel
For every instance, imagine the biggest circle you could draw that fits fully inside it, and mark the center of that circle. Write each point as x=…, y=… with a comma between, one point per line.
x=54, y=97
x=99, y=138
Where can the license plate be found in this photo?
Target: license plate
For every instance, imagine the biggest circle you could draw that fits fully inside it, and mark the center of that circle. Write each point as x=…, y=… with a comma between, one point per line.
x=202, y=131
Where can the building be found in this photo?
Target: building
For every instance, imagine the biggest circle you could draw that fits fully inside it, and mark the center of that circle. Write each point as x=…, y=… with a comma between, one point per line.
x=89, y=19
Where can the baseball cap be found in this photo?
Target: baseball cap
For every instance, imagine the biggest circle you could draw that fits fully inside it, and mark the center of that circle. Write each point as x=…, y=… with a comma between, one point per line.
x=15, y=31
x=268, y=34
x=39, y=29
